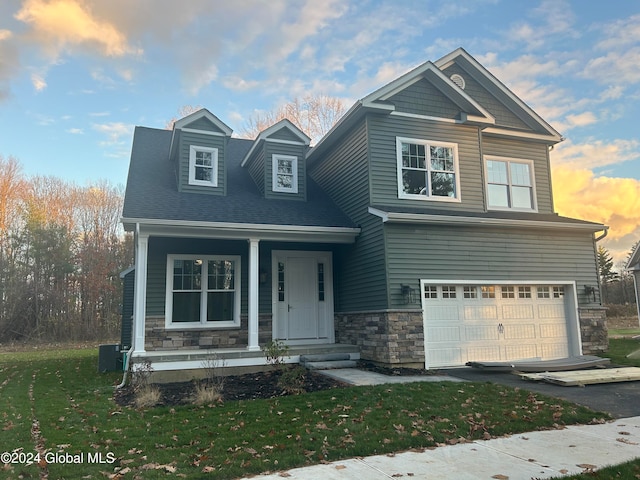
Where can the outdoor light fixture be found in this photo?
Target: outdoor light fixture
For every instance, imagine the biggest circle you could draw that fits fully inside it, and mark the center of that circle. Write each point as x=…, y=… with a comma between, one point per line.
x=408, y=293
x=589, y=290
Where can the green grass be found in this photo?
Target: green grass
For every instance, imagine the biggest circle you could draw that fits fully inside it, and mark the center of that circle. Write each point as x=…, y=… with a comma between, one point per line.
x=77, y=415
x=624, y=471
x=619, y=348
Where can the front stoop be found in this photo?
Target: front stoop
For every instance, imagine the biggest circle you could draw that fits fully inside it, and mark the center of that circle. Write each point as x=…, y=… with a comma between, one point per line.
x=327, y=361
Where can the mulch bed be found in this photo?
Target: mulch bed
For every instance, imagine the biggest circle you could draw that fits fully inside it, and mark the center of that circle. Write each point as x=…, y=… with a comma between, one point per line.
x=237, y=387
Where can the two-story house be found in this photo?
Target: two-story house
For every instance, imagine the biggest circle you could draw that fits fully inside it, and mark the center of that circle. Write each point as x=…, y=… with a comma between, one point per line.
x=420, y=231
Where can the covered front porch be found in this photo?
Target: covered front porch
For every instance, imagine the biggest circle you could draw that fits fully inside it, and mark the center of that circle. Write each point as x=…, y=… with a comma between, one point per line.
x=212, y=292
x=184, y=365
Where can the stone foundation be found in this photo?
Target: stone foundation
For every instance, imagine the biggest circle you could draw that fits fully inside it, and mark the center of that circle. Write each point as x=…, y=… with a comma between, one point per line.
x=593, y=328
x=389, y=338
x=157, y=338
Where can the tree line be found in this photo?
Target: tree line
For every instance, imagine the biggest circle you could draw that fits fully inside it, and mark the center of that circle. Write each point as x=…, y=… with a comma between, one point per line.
x=61, y=251
x=616, y=282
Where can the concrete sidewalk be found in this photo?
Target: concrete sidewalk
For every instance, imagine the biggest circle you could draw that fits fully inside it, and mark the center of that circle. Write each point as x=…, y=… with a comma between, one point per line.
x=536, y=455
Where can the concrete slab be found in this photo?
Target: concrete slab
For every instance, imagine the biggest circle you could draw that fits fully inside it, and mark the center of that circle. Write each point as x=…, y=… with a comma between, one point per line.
x=518, y=457
x=356, y=376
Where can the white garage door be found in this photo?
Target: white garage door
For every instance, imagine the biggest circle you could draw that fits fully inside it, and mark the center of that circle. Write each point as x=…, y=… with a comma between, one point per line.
x=497, y=322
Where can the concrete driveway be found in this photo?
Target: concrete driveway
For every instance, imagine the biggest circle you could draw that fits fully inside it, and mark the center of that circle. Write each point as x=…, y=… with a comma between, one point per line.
x=618, y=399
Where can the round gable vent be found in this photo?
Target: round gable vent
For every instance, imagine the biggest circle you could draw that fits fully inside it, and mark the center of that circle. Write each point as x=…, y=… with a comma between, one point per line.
x=458, y=80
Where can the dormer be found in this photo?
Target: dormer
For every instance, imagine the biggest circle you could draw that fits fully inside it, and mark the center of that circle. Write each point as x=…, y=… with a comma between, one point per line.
x=276, y=161
x=198, y=148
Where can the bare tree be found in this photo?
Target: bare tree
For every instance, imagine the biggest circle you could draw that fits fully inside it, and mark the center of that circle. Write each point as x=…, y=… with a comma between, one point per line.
x=313, y=114
x=182, y=112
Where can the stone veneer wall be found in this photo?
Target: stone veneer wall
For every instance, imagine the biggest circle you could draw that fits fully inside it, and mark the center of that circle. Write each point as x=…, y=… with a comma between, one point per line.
x=396, y=338
x=157, y=338
x=593, y=327
x=392, y=338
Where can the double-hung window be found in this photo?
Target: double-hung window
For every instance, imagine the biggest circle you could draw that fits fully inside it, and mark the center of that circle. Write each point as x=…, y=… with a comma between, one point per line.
x=203, y=166
x=427, y=170
x=510, y=184
x=285, y=173
x=203, y=291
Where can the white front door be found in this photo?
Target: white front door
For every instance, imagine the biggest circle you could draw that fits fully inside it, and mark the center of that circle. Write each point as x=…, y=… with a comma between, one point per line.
x=302, y=297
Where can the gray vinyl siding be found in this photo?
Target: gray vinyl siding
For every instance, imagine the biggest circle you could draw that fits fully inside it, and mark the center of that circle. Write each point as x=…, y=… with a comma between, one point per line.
x=285, y=134
x=359, y=269
x=383, y=131
x=256, y=169
x=537, y=152
x=276, y=148
x=466, y=253
x=203, y=123
x=187, y=139
x=422, y=98
x=504, y=117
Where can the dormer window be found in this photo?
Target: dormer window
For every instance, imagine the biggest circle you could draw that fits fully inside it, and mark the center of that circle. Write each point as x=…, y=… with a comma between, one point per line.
x=285, y=173
x=203, y=166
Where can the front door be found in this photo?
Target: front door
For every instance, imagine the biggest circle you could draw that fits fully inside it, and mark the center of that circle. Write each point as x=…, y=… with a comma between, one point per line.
x=303, y=297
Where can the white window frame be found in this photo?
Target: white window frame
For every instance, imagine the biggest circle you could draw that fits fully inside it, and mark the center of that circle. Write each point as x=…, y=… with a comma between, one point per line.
x=294, y=172
x=203, y=323
x=193, y=150
x=509, y=161
x=428, y=170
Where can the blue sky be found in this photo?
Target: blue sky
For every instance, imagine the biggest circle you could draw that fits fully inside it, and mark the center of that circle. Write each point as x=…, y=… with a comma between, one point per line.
x=76, y=76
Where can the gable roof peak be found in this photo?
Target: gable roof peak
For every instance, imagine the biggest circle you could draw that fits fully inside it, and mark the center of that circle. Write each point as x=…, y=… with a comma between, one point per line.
x=203, y=113
x=285, y=123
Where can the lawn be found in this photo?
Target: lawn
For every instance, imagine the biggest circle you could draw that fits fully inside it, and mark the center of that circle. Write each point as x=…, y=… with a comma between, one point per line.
x=55, y=404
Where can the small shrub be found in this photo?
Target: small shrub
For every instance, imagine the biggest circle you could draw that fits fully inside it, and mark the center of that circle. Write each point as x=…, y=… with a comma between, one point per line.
x=293, y=379
x=213, y=368
x=206, y=394
x=147, y=396
x=141, y=375
x=276, y=351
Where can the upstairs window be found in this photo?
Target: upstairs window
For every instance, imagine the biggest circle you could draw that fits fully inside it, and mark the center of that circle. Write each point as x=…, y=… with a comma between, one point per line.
x=285, y=173
x=203, y=166
x=427, y=170
x=510, y=184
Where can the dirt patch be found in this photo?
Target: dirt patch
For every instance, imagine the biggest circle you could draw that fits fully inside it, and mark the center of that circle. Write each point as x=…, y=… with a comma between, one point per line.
x=622, y=322
x=237, y=387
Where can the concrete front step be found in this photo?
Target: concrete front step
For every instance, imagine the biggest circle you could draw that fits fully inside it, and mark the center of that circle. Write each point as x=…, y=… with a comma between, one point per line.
x=329, y=365
x=325, y=357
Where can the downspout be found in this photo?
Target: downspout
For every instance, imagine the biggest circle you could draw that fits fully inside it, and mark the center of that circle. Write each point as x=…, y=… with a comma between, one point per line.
x=133, y=338
x=595, y=251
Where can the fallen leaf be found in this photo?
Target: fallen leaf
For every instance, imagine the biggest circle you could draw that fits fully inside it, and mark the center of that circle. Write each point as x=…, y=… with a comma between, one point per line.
x=624, y=440
x=500, y=477
x=340, y=467
x=284, y=474
x=208, y=469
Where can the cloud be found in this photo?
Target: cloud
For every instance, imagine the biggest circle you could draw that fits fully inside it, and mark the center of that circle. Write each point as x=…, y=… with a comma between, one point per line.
x=595, y=154
x=618, y=67
x=615, y=202
x=38, y=82
x=619, y=33
x=581, y=119
x=75, y=131
x=61, y=25
x=114, y=131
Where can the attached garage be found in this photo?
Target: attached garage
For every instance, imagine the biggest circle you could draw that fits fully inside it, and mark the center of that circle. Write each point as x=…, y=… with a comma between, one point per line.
x=498, y=321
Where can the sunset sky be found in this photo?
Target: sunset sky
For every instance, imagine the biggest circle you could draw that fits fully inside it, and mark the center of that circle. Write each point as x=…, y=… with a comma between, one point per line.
x=76, y=76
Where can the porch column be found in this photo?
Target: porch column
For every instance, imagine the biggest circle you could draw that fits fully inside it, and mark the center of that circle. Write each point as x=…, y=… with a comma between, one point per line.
x=140, y=295
x=254, y=285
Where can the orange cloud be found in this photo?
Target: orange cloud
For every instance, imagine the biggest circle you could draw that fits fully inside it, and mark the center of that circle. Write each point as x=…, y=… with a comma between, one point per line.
x=615, y=202
x=61, y=24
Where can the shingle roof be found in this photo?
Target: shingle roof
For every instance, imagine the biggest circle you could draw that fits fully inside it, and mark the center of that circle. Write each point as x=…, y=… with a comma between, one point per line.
x=152, y=192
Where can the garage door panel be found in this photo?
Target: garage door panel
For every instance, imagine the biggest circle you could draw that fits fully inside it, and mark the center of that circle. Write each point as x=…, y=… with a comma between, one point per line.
x=481, y=332
x=445, y=356
x=551, y=311
x=552, y=330
x=482, y=312
x=514, y=312
x=519, y=332
x=554, y=350
x=487, y=353
x=443, y=334
x=521, y=352
x=444, y=312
